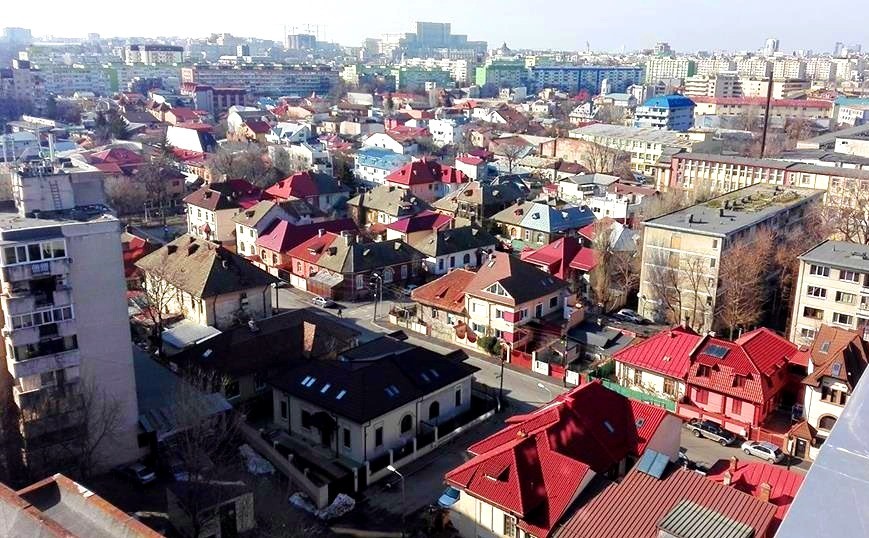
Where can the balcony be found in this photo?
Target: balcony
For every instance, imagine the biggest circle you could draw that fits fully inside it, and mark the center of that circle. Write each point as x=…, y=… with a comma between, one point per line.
x=45, y=363
x=26, y=301
x=28, y=271
x=46, y=401
x=41, y=333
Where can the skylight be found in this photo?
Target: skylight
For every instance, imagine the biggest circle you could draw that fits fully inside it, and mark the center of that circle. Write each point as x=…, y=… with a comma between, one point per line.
x=608, y=426
x=305, y=381
x=836, y=369
x=716, y=351
x=425, y=377
x=340, y=394
x=325, y=388
x=825, y=347
x=309, y=381
x=434, y=372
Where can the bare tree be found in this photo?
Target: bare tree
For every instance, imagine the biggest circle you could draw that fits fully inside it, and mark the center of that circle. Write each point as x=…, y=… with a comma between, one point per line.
x=698, y=285
x=602, y=159
x=125, y=194
x=847, y=211
x=511, y=150
x=101, y=424
x=610, y=114
x=241, y=161
x=744, y=272
x=160, y=295
x=664, y=283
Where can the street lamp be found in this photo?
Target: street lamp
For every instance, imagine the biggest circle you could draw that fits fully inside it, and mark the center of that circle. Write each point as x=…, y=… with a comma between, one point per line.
x=542, y=386
x=376, y=282
x=403, y=498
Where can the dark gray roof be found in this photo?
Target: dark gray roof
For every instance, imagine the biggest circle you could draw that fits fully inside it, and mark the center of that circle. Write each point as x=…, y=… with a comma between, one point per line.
x=829, y=139
x=485, y=194
x=840, y=254
x=389, y=199
x=691, y=520
x=362, y=257
x=756, y=204
x=442, y=242
x=366, y=388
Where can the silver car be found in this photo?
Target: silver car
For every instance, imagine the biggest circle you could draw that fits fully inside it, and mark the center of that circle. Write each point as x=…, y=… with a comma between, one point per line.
x=763, y=450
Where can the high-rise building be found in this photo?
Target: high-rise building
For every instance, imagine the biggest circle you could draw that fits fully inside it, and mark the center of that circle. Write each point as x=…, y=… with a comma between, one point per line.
x=789, y=68
x=658, y=69
x=65, y=335
x=272, y=79
x=838, y=48
x=17, y=36
x=770, y=47
x=301, y=42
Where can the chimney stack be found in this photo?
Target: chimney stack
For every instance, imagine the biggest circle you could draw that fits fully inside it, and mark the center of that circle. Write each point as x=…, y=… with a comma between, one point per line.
x=321, y=232
x=349, y=238
x=171, y=249
x=727, y=478
x=733, y=462
x=763, y=492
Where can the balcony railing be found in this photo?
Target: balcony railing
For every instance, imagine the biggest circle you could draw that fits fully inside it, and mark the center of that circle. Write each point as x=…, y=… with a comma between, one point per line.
x=45, y=363
x=28, y=271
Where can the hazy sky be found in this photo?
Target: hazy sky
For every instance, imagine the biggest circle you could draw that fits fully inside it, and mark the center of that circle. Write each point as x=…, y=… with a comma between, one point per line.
x=558, y=24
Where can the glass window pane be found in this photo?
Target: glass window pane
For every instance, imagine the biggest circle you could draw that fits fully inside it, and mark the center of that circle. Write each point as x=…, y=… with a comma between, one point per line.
x=46, y=250
x=22, y=253
x=9, y=255
x=59, y=249
x=35, y=254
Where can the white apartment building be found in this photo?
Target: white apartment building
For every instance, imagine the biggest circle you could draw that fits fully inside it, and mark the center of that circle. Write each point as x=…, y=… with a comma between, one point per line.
x=789, y=68
x=713, y=66
x=820, y=69
x=754, y=67
x=153, y=54
x=458, y=69
x=832, y=289
x=445, y=132
x=716, y=85
x=658, y=69
x=66, y=336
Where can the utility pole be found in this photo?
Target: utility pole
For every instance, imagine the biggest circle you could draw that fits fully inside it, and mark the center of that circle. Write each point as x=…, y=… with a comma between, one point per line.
x=766, y=117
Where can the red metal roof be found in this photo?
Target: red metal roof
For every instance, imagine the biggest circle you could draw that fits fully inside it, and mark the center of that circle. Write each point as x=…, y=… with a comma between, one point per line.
x=426, y=171
x=536, y=466
x=634, y=507
x=425, y=220
x=748, y=476
x=311, y=250
x=561, y=254
x=282, y=236
x=258, y=126
x=184, y=114
x=666, y=353
x=471, y=160
x=447, y=292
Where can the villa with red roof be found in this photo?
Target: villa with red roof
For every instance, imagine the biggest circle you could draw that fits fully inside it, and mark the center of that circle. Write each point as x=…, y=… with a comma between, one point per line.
x=441, y=307
x=427, y=179
x=522, y=480
x=271, y=250
x=320, y=190
x=658, y=365
x=211, y=208
x=422, y=223
x=567, y=259
x=116, y=161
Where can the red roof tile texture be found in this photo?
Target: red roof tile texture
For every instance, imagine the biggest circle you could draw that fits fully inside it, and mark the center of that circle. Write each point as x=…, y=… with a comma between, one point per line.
x=426, y=171
x=747, y=477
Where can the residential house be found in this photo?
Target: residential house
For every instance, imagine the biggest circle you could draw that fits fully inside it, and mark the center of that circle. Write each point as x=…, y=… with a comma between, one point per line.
x=285, y=132
x=566, y=259
x=659, y=365
x=373, y=400
x=448, y=248
x=476, y=168
x=60, y=507
x=837, y=359
x=402, y=140
x=310, y=155
x=576, y=189
x=371, y=165
x=241, y=360
x=508, y=293
x=522, y=481
x=340, y=267
x=211, y=208
x=476, y=201
x=410, y=228
x=740, y=384
x=179, y=115
x=621, y=238
x=658, y=498
x=320, y=190
x=427, y=179
x=134, y=248
x=441, y=306
x=666, y=112
x=252, y=131
x=536, y=223
x=447, y=131
x=190, y=138
x=272, y=247
x=222, y=509
x=831, y=289
x=206, y=283
x=383, y=205
x=252, y=222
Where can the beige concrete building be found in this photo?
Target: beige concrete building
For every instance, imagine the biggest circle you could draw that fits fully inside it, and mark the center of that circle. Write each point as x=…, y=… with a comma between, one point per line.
x=682, y=251
x=832, y=289
x=716, y=85
x=669, y=68
x=65, y=335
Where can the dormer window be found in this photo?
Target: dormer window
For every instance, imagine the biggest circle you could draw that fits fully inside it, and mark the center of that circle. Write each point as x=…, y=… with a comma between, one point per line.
x=704, y=371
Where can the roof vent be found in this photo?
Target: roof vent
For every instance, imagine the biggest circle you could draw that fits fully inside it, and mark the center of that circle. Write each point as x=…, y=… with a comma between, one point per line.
x=249, y=213
x=225, y=264
x=192, y=249
x=397, y=245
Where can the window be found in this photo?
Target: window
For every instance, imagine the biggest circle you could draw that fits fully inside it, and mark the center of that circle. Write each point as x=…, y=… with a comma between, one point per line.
x=434, y=410
x=440, y=264
x=378, y=436
x=259, y=382
x=819, y=270
x=360, y=282
x=466, y=259
x=842, y=319
x=406, y=423
x=434, y=313
x=808, y=334
x=815, y=291
x=702, y=396
x=814, y=313
x=638, y=377
x=346, y=438
x=739, y=380
x=736, y=407
x=538, y=311
x=509, y=526
x=459, y=397
x=847, y=298
x=849, y=276
x=703, y=371
x=284, y=410
x=826, y=422
x=306, y=420
x=553, y=302
x=669, y=387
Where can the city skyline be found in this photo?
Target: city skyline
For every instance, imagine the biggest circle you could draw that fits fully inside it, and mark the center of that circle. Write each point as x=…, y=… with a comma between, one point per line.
x=698, y=26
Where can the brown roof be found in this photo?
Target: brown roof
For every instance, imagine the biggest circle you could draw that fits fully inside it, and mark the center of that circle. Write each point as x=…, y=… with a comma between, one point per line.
x=447, y=292
x=635, y=507
x=837, y=353
x=521, y=280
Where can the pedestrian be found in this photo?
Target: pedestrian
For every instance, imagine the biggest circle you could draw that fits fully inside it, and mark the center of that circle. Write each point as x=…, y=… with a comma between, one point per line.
x=339, y=312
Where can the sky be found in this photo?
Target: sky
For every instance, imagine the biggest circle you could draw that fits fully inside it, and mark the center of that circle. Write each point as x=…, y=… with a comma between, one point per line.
x=555, y=24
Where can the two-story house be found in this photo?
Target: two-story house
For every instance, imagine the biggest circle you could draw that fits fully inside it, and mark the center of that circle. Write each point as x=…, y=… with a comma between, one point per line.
x=371, y=165
x=272, y=247
x=535, y=223
x=837, y=360
x=441, y=307
x=383, y=205
x=211, y=208
x=320, y=190
x=658, y=365
x=252, y=222
x=206, y=283
x=567, y=259
x=448, y=248
x=477, y=202
x=427, y=179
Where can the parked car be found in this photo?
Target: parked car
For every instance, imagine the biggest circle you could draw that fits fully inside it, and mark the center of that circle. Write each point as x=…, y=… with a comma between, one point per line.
x=626, y=314
x=138, y=473
x=449, y=497
x=322, y=302
x=407, y=290
x=764, y=450
x=711, y=430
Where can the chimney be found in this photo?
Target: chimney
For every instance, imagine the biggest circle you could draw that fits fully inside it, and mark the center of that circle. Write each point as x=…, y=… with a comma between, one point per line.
x=733, y=462
x=763, y=492
x=721, y=212
x=727, y=478
x=309, y=333
x=321, y=232
x=349, y=238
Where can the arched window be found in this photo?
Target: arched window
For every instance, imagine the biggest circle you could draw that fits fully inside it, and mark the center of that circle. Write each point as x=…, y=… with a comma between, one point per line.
x=466, y=259
x=434, y=410
x=388, y=274
x=514, y=233
x=826, y=422
x=406, y=423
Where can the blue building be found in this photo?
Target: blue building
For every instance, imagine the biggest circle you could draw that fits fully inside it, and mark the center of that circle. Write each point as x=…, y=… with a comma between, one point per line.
x=573, y=78
x=667, y=112
x=372, y=165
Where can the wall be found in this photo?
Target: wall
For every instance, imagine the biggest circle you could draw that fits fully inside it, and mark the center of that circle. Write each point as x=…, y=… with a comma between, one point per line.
x=652, y=382
x=441, y=265
x=828, y=305
x=817, y=408
x=220, y=223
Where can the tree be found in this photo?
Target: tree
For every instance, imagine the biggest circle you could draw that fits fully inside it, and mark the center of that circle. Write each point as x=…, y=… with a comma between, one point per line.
x=601, y=159
x=847, y=211
x=160, y=294
x=154, y=177
x=102, y=422
x=241, y=161
x=512, y=151
x=664, y=284
x=125, y=194
x=744, y=272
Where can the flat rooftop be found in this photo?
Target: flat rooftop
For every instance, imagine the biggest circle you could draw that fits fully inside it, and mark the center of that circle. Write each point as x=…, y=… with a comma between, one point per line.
x=643, y=134
x=14, y=227
x=735, y=210
x=840, y=254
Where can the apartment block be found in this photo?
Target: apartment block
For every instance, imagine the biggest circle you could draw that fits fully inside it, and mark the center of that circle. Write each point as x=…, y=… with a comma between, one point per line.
x=713, y=66
x=586, y=77
x=272, y=79
x=715, y=85
x=658, y=69
x=789, y=68
x=754, y=67
x=832, y=289
x=682, y=251
x=65, y=335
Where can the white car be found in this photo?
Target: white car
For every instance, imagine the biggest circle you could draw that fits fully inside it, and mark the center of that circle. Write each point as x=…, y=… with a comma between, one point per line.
x=322, y=302
x=763, y=450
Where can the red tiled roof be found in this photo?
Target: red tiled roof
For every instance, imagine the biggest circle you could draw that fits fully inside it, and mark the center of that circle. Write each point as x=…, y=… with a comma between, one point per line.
x=561, y=254
x=282, y=236
x=313, y=248
x=761, y=101
x=634, y=507
x=535, y=467
x=119, y=156
x=445, y=293
x=403, y=133
x=425, y=220
x=188, y=156
x=184, y=114
x=748, y=476
x=426, y=171
x=834, y=346
x=471, y=160
x=258, y=126
x=667, y=353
